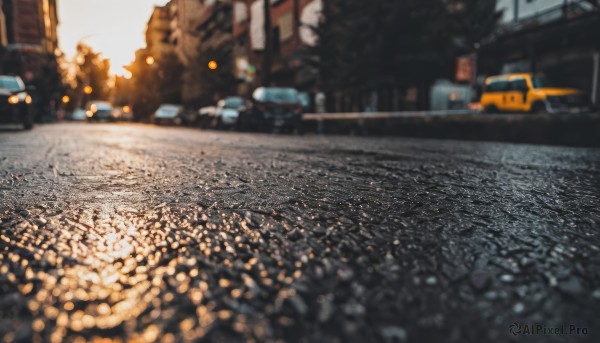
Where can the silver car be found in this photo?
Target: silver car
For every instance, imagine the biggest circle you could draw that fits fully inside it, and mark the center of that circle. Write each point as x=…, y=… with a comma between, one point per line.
x=168, y=114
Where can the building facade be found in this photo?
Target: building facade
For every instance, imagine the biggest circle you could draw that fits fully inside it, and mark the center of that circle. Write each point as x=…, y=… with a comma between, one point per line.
x=158, y=32
x=558, y=38
x=29, y=48
x=29, y=35
x=185, y=15
x=292, y=23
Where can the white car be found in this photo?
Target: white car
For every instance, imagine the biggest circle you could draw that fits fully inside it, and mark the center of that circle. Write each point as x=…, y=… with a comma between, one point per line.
x=168, y=114
x=78, y=115
x=228, y=111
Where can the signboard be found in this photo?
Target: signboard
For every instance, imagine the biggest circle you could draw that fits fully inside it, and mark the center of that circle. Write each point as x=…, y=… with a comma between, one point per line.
x=310, y=18
x=286, y=26
x=466, y=68
x=257, y=30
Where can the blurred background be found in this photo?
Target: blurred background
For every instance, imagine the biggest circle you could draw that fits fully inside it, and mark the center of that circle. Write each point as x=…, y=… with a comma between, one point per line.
x=341, y=55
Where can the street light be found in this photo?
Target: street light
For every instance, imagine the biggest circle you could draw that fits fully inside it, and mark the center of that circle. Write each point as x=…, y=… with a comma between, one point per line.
x=66, y=99
x=213, y=65
x=88, y=90
x=150, y=60
x=127, y=75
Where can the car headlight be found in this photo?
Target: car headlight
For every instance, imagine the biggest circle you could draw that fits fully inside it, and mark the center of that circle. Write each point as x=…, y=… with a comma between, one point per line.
x=13, y=100
x=28, y=99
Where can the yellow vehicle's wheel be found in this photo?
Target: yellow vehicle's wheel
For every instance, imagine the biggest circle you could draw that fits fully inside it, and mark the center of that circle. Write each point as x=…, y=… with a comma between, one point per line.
x=539, y=108
x=491, y=109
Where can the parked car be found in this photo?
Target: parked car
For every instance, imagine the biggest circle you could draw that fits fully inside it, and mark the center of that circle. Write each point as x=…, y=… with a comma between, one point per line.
x=123, y=113
x=15, y=102
x=99, y=111
x=272, y=109
x=169, y=114
x=77, y=115
x=529, y=93
x=305, y=101
x=206, y=116
x=228, y=111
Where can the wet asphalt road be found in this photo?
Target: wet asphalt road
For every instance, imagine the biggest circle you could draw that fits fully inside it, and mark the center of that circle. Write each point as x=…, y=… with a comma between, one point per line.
x=138, y=233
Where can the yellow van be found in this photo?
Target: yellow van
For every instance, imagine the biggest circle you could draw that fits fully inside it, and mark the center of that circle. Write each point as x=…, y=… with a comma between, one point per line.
x=528, y=93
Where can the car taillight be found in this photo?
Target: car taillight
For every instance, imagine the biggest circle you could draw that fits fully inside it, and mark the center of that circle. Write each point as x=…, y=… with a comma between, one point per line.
x=298, y=108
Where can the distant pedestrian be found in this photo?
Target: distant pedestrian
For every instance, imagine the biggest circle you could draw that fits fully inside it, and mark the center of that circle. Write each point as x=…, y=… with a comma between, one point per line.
x=320, y=101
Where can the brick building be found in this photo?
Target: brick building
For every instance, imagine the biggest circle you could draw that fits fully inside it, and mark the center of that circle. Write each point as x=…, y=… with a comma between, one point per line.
x=29, y=48
x=292, y=35
x=30, y=35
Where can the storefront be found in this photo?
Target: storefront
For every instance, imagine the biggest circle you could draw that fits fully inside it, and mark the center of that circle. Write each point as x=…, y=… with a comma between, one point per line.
x=565, y=49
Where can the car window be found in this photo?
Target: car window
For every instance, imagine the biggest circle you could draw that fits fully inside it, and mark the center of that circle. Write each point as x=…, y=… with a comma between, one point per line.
x=277, y=95
x=169, y=107
x=497, y=86
x=234, y=103
x=519, y=85
x=11, y=83
x=540, y=82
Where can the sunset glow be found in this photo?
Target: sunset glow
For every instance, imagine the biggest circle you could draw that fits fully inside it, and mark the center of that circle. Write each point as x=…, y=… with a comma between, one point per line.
x=114, y=28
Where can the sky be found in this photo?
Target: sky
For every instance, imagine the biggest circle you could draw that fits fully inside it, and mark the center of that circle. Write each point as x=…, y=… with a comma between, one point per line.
x=114, y=28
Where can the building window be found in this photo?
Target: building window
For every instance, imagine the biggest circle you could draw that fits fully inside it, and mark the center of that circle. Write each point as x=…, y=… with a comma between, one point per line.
x=240, y=12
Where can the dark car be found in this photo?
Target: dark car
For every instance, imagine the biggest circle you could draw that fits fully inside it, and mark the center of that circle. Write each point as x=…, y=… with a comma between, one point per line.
x=169, y=114
x=99, y=111
x=272, y=109
x=227, y=112
x=15, y=102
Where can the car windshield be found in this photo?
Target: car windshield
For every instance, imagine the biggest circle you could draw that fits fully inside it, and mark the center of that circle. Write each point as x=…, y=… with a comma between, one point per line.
x=540, y=82
x=168, y=109
x=280, y=95
x=234, y=103
x=11, y=83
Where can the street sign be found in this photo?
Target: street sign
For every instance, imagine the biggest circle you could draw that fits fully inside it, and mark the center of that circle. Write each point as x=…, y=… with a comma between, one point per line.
x=466, y=68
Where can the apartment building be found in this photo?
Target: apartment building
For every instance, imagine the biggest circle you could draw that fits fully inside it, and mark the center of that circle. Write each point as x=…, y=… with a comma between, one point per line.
x=158, y=32
x=291, y=22
x=28, y=34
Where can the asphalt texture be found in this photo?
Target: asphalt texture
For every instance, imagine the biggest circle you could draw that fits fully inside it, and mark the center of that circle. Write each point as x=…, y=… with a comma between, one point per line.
x=142, y=233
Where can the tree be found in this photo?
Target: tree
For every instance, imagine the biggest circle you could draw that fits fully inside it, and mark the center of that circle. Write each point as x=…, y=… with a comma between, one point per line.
x=92, y=70
x=212, y=84
x=267, y=60
x=474, y=21
x=389, y=46
x=169, y=78
x=155, y=84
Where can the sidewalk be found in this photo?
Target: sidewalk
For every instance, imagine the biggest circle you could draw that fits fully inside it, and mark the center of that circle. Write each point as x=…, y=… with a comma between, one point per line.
x=569, y=130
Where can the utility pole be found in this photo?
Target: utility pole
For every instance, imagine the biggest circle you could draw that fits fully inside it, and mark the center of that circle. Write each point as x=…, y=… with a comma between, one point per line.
x=297, y=21
x=268, y=53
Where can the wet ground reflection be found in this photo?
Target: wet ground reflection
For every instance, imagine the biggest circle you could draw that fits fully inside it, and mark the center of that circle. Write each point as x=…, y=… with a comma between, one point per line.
x=139, y=277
